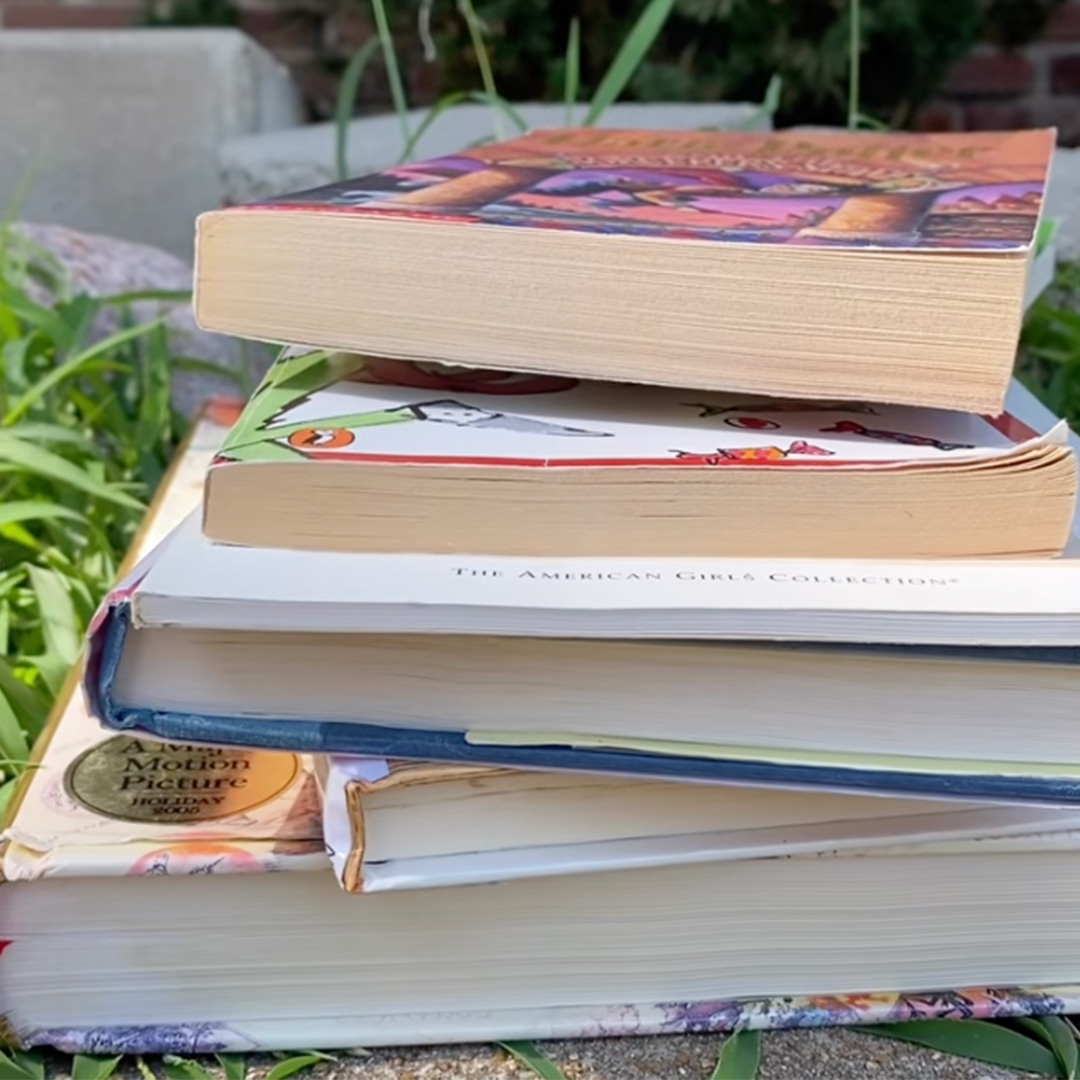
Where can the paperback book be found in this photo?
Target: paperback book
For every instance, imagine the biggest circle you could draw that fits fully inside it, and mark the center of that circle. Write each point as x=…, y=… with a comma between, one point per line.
x=342, y=452
x=886, y=267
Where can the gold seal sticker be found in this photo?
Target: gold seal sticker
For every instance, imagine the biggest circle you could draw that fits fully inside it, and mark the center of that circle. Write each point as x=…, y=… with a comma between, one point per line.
x=176, y=783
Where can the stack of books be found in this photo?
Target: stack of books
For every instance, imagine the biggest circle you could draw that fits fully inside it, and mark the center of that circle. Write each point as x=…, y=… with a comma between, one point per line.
x=665, y=615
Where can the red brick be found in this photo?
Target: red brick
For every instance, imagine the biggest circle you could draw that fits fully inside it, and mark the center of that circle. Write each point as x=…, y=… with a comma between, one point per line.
x=1065, y=74
x=292, y=36
x=347, y=30
x=1064, y=24
x=318, y=88
x=996, y=116
x=940, y=116
x=991, y=75
x=28, y=16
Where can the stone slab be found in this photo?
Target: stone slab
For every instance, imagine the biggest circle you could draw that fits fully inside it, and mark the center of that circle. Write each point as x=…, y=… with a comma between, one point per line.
x=1063, y=202
x=117, y=131
x=263, y=166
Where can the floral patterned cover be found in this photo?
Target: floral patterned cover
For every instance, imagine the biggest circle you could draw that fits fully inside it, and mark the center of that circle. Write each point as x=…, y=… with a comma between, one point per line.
x=670, y=1018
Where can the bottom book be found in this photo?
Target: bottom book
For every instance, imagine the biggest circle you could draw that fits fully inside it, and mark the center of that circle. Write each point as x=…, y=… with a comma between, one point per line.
x=178, y=898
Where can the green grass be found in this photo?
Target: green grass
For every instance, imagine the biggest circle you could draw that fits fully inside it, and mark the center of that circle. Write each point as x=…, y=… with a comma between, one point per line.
x=86, y=432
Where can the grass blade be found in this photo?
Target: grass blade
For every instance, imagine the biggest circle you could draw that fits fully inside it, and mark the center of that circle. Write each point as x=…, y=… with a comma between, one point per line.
x=628, y=59
x=59, y=626
x=393, y=72
x=22, y=1065
x=42, y=462
x=70, y=366
x=572, y=74
x=740, y=1057
x=483, y=61
x=854, y=59
x=178, y=1068
x=529, y=1056
x=501, y=106
x=13, y=742
x=234, y=1066
x=978, y=1039
x=293, y=1065
x=36, y=510
x=31, y=708
x=88, y=1067
x=440, y=106
x=346, y=103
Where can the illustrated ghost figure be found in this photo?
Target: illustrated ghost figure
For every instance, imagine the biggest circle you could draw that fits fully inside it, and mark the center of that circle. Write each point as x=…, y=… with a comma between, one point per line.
x=453, y=412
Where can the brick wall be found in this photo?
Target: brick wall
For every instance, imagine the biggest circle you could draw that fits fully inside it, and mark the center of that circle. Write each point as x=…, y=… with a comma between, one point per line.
x=1033, y=86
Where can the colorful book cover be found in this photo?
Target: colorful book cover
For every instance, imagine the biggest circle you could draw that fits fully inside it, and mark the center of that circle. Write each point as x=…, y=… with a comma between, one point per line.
x=344, y=408
x=978, y=191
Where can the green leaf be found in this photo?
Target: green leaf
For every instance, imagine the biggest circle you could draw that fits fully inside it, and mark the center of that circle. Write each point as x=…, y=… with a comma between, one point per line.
x=144, y=1070
x=37, y=510
x=233, y=1065
x=89, y=1067
x=346, y=102
x=13, y=742
x=978, y=1039
x=30, y=706
x=165, y=296
x=529, y=1056
x=393, y=71
x=294, y=1064
x=59, y=625
x=73, y=364
x=572, y=81
x=447, y=101
x=1060, y=1036
x=628, y=59
x=41, y=462
x=178, y=1068
x=22, y=1065
x=740, y=1057
x=500, y=105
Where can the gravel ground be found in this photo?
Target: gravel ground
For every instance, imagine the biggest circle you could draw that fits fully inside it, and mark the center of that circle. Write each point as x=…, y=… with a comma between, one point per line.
x=787, y=1055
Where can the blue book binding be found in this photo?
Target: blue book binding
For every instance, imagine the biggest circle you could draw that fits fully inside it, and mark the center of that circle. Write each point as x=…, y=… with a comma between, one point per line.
x=335, y=737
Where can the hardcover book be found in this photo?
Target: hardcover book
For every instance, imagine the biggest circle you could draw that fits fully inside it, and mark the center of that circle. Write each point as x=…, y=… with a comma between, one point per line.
x=342, y=452
x=421, y=825
x=128, y=929
x=136, y=921
x=847, y=265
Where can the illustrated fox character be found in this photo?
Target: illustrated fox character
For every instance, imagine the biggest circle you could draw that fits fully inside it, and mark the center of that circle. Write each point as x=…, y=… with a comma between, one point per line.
x=752, y=455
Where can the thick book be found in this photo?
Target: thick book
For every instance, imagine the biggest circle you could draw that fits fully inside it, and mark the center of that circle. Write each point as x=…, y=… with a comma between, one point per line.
x=855, y=266
x=343, y=452
x=421, y=825
x=131, y=924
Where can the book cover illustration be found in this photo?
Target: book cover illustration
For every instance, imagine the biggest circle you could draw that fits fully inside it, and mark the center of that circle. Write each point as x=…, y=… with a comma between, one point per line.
x=566, y=1022
x=105, y=805
x=336, y=407
x=960, y=192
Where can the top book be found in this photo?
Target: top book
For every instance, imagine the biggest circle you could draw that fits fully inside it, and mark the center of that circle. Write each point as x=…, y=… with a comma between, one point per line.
x=862, y=266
